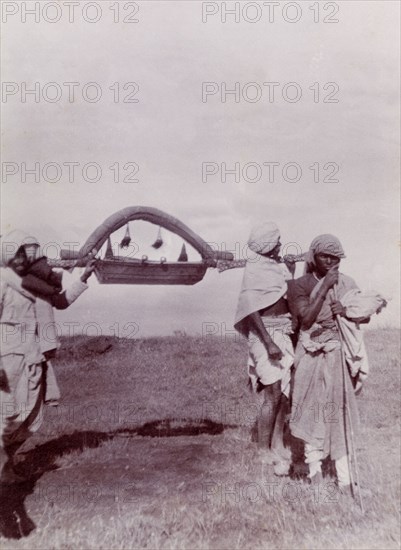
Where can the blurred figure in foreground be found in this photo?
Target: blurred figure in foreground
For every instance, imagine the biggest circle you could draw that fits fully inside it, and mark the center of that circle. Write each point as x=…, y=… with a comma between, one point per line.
x=25, y=376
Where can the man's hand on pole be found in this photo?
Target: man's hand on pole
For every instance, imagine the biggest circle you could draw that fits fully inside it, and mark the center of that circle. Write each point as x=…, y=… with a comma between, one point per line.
x=89, y=269
x=337, y=308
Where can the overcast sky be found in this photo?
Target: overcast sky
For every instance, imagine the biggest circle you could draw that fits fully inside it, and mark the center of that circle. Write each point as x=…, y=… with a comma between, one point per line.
x=172, y=131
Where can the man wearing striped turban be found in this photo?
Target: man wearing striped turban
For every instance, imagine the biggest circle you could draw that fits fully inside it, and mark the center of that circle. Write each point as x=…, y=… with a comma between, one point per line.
x=330, y=359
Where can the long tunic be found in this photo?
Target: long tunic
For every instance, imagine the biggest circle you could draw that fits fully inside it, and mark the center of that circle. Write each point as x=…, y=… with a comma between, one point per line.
x=323, y=400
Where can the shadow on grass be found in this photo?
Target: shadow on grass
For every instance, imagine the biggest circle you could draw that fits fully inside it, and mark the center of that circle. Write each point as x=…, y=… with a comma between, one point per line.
x=14, y=521
x=42, y=458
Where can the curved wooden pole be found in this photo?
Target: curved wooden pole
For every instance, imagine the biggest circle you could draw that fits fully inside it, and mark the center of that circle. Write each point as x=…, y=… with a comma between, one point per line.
x=96, y=240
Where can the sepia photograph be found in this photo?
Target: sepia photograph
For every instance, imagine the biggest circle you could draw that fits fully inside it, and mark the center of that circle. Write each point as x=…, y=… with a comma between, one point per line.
x=200, y=275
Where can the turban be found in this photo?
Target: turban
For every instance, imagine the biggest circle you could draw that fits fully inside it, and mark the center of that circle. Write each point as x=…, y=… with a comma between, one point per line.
x=323, y=244
x=264, y=237
x=12, y=242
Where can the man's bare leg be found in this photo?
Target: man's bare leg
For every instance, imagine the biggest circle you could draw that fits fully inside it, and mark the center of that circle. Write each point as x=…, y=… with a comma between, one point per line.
x=267, y=415
x=277, y=442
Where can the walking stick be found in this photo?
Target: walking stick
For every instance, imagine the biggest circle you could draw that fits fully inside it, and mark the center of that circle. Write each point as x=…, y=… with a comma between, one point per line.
x=347, y=413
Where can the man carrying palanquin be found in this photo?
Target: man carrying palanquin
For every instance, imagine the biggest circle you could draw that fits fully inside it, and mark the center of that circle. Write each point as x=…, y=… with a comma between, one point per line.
x=263, y=317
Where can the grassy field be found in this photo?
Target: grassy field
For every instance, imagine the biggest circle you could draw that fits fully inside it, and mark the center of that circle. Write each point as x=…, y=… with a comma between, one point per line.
x=151, y=448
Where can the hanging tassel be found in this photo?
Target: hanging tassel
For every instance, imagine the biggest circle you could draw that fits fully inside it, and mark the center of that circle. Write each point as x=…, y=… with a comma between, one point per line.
x=183, y=257
x=126, y=239
x=159, y=241
x=109, y=250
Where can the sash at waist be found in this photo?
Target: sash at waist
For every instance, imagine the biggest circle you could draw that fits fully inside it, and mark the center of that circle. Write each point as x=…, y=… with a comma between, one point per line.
x=320, y=338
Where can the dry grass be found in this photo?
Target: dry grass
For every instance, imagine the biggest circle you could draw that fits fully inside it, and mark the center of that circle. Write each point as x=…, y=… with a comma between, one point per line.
x=151, y=449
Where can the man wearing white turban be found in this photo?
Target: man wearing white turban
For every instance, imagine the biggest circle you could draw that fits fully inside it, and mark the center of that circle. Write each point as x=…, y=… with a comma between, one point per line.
x=263, y=317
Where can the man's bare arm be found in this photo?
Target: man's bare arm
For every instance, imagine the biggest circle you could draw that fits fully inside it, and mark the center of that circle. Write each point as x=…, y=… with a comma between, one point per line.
x=256, y=323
